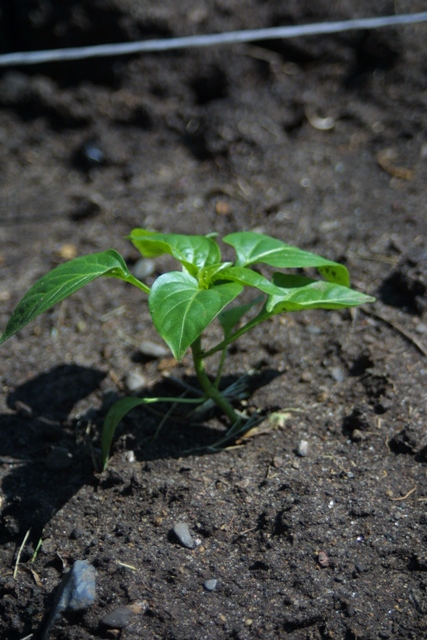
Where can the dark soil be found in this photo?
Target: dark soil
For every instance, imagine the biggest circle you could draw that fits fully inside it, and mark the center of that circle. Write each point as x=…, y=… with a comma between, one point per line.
x=329, y=545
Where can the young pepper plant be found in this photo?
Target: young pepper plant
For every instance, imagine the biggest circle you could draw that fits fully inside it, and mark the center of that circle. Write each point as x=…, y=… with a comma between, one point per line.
x=184, y=303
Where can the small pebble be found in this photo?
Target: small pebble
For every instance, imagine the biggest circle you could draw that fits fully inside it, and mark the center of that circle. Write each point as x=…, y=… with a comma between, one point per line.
x=135, y=381
x=358, y=435
x=119, y=618
x=144, y=268
x=278, y=462
x=153, y=349
x=338, y=374
x=77, y=533
x=323, y=559
x=4, y=295
x=222, y=208
x=182, y=532
x=421, y=328
x=81, y=326
x=313, y=329
x=210, y=585
x=67, y=251
x=303, y=447
x=130, y=456
x=93, y=154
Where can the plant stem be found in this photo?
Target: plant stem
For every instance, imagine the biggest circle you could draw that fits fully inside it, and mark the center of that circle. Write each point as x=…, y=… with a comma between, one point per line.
x=263, y=315
x=209, y=389
x=132, y=280
x=220, y=368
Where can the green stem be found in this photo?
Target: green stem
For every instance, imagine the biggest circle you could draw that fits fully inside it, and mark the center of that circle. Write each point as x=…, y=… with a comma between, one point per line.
x=263, y=315
x=138, y=283
x=220, y=368
x=209, y=389
x=131, y=280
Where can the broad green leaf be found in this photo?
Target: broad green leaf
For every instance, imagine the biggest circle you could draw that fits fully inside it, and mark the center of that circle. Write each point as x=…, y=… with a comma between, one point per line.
x=230, y=317
x=193, y=252
x=253, y=248
x=65, y=280
x=303, y=293
x=181, y=311
x=248, y=278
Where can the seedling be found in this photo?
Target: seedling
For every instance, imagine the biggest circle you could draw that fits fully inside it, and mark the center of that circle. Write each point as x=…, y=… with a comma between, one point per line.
x=184, y=303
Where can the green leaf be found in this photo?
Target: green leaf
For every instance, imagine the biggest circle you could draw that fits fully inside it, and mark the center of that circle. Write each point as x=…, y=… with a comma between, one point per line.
x=181, y=311
x=300, y=293
x=63, y=281
x=248, y=278
x=254, y=248
x=115, y=415
x=193, y=252
x=208, y=275
x=230, y=317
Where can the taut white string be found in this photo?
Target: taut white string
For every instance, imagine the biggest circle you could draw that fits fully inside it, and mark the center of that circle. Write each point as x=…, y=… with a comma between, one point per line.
x=209, y=40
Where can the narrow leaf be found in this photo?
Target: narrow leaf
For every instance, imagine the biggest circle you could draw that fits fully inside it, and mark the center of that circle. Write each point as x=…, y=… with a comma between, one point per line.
x=115, y=415
x=181, y=311
x=120, y=409
x=303, y=293
x=193, y=252
x=65, y=280
x=254, y=248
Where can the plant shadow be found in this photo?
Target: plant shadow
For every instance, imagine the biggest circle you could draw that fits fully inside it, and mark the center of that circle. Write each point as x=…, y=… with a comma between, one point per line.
x=174, y=430
x=43, y=463
x=47, y=457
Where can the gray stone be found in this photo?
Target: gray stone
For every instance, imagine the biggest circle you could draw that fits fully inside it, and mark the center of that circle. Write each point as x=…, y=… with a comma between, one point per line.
x=119, y=618
x=153, y=349
x=338, y=374
x=135, y=381
x=182, y=532
x=210, y=585
x=76, y=592
x=144, y=268
x=80, y=586
x=303, y=448
x=313, y=329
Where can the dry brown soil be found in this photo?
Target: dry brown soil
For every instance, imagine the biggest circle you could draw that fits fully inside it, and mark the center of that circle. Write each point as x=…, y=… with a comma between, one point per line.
x=327, y=546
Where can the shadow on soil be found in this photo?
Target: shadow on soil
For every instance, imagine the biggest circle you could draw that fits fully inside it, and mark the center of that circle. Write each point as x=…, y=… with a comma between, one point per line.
x=49, y=456
x=40, y=449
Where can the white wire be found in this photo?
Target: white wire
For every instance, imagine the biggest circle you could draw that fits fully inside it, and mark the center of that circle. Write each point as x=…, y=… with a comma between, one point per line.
x=231, y=37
